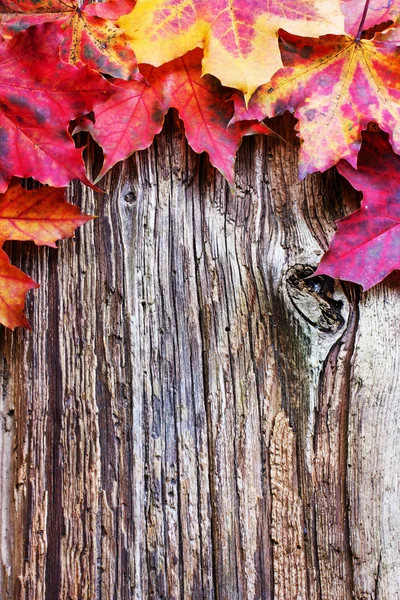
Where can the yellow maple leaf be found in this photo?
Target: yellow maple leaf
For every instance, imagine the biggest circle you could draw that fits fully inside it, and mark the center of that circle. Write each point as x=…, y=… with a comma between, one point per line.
x=239, y=37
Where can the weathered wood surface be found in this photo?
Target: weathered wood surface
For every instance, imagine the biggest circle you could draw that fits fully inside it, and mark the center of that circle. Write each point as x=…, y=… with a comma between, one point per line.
x=190, y=418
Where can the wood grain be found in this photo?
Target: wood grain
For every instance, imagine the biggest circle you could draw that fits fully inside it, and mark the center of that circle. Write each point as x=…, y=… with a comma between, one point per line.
x=191, y=417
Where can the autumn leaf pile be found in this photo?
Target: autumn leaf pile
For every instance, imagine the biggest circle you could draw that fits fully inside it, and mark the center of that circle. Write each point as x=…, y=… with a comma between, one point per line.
x=115, y=68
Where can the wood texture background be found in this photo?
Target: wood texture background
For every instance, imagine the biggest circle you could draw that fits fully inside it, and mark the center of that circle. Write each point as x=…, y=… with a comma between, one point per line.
x=190, y=417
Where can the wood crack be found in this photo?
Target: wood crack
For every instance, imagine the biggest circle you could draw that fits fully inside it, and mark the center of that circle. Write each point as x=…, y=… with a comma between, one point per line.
x=331, y=457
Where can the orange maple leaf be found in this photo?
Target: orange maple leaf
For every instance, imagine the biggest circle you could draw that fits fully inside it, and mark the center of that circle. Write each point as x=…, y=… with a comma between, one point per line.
x=40, y=215
x=239, y=37
x=13, y=286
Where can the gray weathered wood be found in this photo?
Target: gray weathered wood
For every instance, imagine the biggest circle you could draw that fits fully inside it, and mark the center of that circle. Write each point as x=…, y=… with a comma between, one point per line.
x=190, y=417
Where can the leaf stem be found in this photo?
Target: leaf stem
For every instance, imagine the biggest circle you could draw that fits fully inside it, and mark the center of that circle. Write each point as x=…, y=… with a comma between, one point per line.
x=364, y=15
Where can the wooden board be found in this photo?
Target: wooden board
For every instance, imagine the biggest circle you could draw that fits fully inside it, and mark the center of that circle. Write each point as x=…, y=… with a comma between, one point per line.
x=192, y=418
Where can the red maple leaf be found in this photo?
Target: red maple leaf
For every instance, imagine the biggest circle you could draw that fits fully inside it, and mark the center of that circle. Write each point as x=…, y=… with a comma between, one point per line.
x=89, y=35
x=366, y=246
x=39, y=95
x=129, y=120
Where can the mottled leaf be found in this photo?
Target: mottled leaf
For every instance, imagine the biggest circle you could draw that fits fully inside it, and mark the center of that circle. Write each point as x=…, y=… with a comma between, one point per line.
x=239, y=37
x=111, y=10
x=366, y=246
x=334, y=86
x=13, y=286
x=89, y=36
x=96, y=42
x=379, y=11
x=41, y=215
x=19, y=8
x=18, y=16
x=39, y=95
x=131, y=118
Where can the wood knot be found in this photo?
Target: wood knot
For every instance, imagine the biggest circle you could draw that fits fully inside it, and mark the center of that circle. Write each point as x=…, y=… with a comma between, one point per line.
x=312, y=297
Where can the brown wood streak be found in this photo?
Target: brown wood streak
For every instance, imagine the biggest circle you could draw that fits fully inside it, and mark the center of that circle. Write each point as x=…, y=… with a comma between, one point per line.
x=290, y=570
x=181, y=423
x=331, y=525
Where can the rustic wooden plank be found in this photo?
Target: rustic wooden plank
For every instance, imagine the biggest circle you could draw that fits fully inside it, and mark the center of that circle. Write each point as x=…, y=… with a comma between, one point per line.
x=373, y=463
x=287, y=529
x=190, y=417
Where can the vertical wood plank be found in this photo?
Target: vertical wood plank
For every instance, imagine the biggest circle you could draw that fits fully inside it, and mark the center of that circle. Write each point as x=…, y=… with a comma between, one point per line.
x=191, y=417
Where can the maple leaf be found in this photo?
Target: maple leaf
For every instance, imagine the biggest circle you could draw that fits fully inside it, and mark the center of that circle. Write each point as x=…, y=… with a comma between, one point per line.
x=111, y=9
x=130, y=119
x=14, y=12
x=39, y=95
x=125, y=123
x=13, y=286
x=334, y=85
x=378, y=11
x=89, y=35
x=239, y=37
x=366, y=246
x=41, y=215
